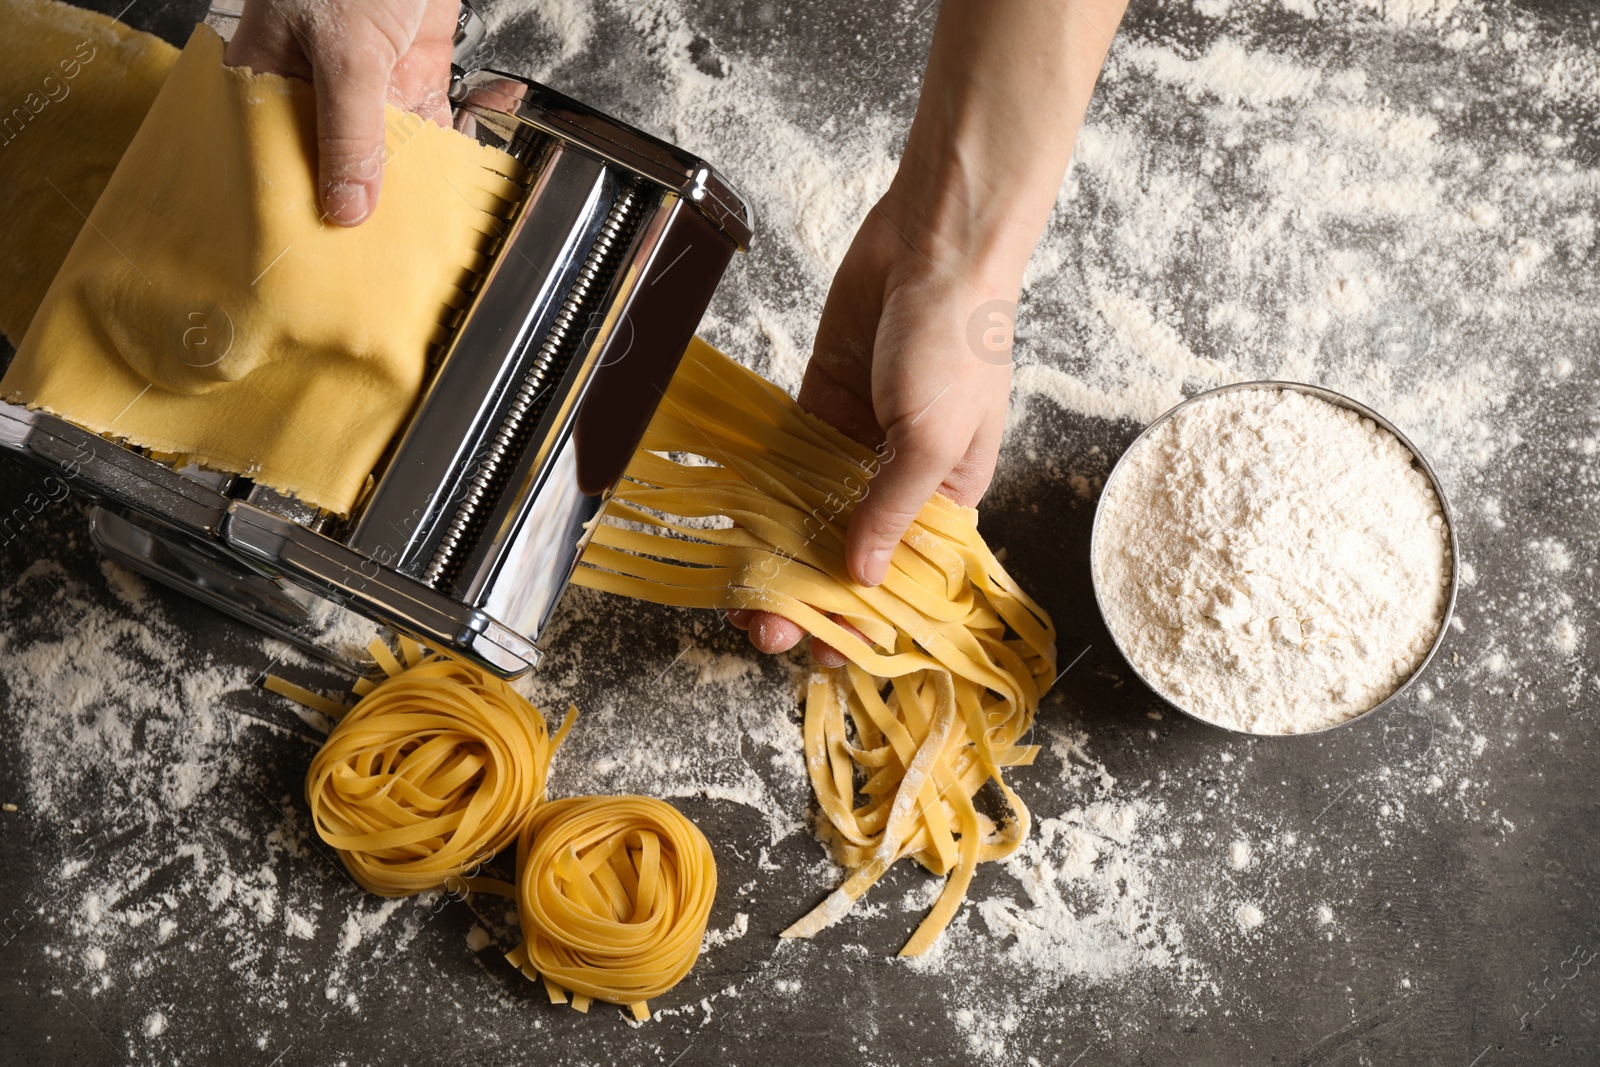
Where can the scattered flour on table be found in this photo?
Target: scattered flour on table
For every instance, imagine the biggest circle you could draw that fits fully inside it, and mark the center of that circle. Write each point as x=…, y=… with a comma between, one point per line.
x=1084, y=901
x=692, y=721
x=1244, y=165
x=150, y=759
x=715, y=939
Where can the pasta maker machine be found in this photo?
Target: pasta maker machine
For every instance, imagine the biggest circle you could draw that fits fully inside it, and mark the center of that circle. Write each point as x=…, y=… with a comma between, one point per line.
x=479, y=510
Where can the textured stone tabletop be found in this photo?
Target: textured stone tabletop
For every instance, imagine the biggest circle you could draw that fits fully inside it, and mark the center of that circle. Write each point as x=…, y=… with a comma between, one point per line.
x=1393, y=198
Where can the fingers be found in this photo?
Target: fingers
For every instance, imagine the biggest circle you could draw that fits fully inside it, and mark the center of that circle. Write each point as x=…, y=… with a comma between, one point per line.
x=943, y=459
x=420, y=82
x=922, y=455
x=970, y=479
x=828, y=656
x=264, y=42
x=350, y=100
x=769, y=633
x=359, y=57
x=773, y=633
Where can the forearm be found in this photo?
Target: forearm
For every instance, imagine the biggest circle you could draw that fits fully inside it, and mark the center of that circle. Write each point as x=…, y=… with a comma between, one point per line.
x=1007, y=85
x=1006, y=88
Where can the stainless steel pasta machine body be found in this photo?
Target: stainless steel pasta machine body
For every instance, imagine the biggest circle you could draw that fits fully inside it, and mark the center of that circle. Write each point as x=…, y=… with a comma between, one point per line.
x=477, y=514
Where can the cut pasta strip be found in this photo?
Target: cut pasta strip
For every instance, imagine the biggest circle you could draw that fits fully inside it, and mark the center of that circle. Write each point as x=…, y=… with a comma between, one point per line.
x=434, y=770
x=305, y=697
x=613, y=894
x=899, y=741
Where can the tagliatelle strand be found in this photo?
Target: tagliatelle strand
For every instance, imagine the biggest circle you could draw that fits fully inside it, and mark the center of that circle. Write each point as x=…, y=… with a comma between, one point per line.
x=931, y=706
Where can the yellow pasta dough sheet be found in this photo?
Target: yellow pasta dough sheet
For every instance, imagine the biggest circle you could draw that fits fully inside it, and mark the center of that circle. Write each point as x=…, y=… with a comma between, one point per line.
x=206, y=311
x=75, y=85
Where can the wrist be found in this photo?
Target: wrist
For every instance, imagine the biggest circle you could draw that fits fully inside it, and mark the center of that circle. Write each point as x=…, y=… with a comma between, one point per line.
x=968, y=214
x=1004, y=94
x=940, y=237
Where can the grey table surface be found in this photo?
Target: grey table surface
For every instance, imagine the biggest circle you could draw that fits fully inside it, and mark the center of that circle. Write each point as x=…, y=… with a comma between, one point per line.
x=1426, y=879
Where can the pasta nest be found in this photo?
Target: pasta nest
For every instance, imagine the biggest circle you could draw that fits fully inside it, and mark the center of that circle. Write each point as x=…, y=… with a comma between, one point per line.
x=613, y=894
x=434, y=770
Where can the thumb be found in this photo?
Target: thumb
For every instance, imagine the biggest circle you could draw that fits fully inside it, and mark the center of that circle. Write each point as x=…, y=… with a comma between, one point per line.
x=918, y=460
x=351, y=89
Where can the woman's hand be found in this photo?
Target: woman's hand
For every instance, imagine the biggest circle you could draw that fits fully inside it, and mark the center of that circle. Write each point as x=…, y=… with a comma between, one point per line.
x=359, y=54
x=912, y=354
x=914, y=346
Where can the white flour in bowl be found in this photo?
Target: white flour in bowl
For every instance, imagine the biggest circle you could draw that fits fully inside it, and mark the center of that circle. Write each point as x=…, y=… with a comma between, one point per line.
x=1272, y=562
